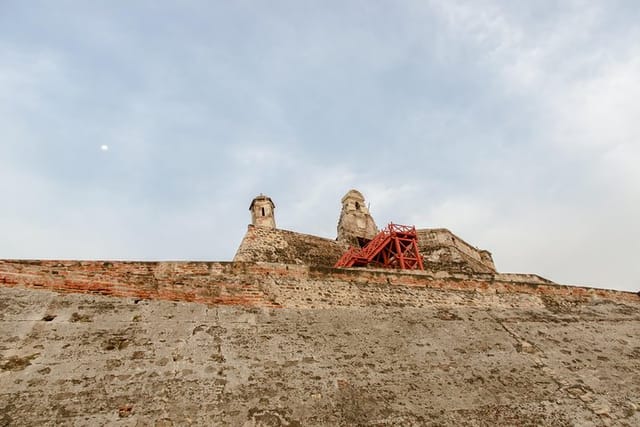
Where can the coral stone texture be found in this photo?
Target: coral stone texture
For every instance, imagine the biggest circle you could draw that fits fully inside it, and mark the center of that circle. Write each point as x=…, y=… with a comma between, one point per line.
x=259, y=344
x=441, y=249
x=262, y=244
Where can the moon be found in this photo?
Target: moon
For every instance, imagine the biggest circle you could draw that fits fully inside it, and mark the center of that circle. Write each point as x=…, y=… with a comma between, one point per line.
x=104, y=147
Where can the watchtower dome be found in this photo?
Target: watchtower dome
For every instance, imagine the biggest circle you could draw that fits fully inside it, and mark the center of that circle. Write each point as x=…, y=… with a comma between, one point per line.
x=262, y=212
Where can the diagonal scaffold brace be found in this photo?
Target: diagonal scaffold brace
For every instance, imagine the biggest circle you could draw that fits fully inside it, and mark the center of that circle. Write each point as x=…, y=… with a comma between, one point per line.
x=394, y=247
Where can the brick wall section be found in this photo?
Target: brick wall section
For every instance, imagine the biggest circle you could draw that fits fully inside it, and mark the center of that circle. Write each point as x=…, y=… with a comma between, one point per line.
x=262, y=244
x=210, y=283
x=293, y=286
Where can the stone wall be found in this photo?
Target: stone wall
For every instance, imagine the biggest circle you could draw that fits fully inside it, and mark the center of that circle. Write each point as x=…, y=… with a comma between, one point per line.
x=282, y=246
x=281, y=285
x=257, y=344
x=203, y=282
x=443, y=250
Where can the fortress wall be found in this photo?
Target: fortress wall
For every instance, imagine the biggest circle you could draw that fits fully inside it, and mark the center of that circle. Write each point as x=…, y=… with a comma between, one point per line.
x=438, y=237
x=261, y=244
x=204, y=282
x=367, y=355
x=442, y=236
x=281, y=285
x=479, y=285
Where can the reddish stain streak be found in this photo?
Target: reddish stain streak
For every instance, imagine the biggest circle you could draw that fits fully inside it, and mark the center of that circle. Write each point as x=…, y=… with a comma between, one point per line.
x=240, y=283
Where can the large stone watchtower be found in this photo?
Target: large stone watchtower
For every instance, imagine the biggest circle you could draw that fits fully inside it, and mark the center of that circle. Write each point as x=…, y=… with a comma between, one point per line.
x=262, y=212
x=355, y=224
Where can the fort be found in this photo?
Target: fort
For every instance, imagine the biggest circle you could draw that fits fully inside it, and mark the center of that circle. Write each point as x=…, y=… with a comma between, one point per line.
x=442, y=250
x=280, y=336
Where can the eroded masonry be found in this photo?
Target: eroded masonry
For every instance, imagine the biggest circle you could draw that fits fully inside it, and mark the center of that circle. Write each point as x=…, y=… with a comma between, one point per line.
x=281, y=337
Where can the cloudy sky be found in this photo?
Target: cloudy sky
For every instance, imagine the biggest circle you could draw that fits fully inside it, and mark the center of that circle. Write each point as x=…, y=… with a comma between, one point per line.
x=143, y=129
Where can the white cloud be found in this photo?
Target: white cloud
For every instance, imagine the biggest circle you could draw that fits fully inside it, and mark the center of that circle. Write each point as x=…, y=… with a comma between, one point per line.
x=260, y=155
x=24, y=76
x=602, y=109
x=514, y=125
x=571, y=212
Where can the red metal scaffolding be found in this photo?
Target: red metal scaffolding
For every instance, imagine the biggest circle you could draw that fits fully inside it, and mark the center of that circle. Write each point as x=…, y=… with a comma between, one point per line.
x=394, y=247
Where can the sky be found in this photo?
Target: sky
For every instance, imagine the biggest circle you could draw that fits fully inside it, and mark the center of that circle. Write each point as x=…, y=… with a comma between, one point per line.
x=142, y=130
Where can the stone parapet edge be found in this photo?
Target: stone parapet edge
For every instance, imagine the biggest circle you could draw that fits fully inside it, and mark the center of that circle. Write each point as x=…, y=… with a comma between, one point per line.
x=245, y=283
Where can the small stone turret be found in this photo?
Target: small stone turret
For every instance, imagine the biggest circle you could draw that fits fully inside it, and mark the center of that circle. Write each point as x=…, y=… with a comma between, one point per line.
x=262, y=212
x=355, y=223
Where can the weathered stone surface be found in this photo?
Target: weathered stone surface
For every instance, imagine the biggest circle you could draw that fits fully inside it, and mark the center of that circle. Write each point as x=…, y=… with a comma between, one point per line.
x=282, y=246
x=443, y=250
x=263, y=212
x=344, y=347
x=300, y=286
x=355, y=222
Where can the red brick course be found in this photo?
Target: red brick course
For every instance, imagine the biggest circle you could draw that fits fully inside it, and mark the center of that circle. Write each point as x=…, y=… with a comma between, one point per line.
x=262, y=284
